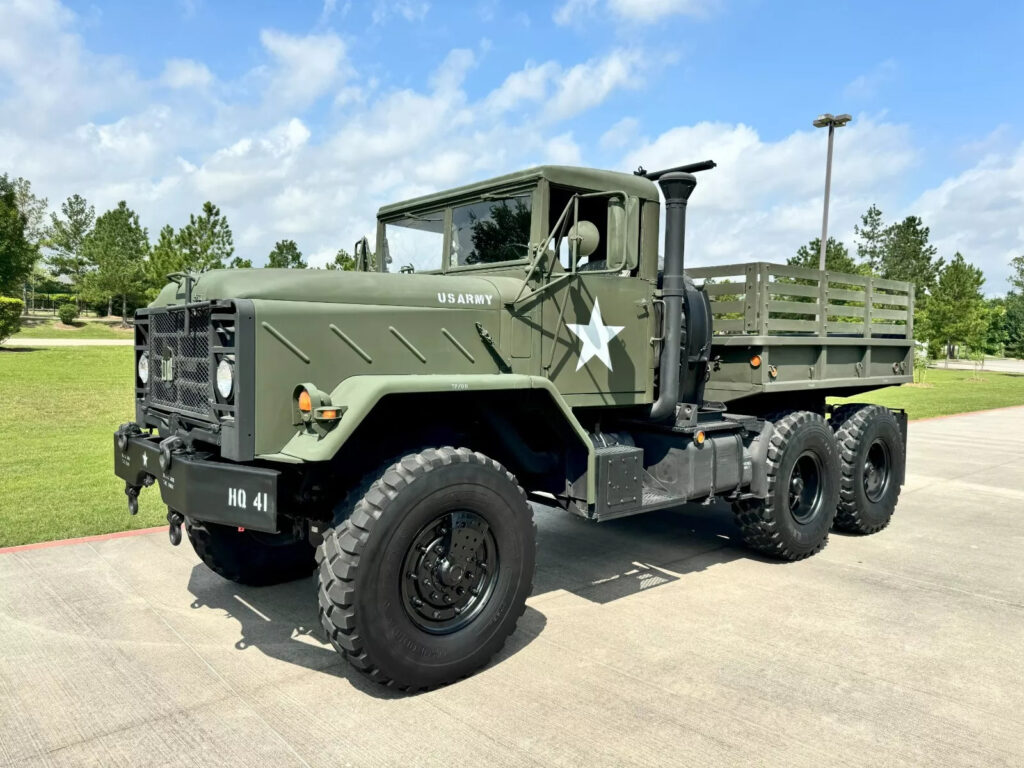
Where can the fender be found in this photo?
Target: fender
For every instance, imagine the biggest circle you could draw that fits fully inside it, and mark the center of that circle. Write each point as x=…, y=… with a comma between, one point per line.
x=359, y=395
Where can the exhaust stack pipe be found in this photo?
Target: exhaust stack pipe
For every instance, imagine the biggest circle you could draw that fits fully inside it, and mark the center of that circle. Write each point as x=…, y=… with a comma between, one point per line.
x=677, y=188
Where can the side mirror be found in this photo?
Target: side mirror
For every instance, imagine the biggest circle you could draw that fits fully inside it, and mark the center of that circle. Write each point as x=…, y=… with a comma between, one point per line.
x=619, y=250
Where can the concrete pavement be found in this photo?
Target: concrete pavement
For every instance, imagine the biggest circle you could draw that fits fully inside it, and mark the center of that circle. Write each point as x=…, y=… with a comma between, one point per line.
x=653, y=640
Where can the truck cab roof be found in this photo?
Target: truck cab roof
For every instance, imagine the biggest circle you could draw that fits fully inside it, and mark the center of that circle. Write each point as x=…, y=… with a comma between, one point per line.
x=588, y=179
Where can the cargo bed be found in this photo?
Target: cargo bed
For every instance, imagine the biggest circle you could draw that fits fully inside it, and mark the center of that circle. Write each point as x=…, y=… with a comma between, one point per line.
x=783, y=329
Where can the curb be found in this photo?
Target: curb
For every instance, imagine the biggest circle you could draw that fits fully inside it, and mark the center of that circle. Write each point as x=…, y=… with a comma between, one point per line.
x=80, y=540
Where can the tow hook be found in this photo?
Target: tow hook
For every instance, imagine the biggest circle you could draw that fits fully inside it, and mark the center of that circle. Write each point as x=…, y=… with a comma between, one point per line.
x=132, y=492
x=175, y=520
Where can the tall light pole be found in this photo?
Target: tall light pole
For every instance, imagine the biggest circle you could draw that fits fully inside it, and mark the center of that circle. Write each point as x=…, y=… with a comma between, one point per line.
x=833, y=122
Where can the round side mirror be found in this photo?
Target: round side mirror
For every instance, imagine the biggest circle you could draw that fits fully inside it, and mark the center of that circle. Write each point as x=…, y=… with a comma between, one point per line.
x=587, y=235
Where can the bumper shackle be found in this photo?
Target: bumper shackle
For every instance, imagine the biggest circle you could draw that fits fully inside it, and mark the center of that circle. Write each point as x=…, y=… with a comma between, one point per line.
x=174, y=520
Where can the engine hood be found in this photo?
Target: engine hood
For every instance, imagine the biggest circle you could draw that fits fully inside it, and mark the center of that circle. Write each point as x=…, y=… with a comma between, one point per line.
x=339, y=287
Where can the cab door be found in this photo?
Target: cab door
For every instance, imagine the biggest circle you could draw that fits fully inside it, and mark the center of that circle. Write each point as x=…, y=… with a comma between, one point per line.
x=597, y=339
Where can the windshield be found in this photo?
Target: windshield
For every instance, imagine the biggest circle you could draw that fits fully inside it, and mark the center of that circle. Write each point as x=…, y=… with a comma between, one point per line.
x=490, y=231
x=416, y=241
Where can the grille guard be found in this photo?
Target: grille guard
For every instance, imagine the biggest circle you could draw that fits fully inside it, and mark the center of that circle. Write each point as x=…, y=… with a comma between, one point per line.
x=185, y=342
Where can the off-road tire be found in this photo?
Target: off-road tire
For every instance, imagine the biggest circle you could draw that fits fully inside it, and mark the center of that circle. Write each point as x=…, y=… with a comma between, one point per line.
x=841, y=413
x=363, y=605
x=250, y=557
x=768, y=525
x=863, y=428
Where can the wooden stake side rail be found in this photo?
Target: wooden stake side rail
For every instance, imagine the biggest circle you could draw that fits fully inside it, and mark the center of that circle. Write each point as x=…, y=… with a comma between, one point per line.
x=762, y=299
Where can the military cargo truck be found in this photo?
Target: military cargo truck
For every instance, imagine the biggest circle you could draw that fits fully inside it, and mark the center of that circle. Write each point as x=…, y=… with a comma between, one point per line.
x=514, y=340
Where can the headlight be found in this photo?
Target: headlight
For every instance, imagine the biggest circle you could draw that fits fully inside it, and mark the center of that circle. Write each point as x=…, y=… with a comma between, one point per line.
x=143, y=367
x=225, y=378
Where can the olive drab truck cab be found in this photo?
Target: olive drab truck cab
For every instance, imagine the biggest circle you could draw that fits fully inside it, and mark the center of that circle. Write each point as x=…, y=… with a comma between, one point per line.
x=530, y=338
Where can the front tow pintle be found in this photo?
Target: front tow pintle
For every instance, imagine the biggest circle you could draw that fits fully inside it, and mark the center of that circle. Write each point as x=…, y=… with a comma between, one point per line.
x=175, y=520
x=132, y=492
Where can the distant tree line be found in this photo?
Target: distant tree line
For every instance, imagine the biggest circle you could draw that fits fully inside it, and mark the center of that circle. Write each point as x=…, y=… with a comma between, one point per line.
x=108, y=261
x=951, y=312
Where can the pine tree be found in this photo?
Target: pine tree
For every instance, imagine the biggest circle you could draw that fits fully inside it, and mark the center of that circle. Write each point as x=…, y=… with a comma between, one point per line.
x=206, y=241
x=871, y=238
x=956, y=312
x=837, y=257
x=909, y=256
x=118, y=246
x=165, y=259
x=286, y=255
x=65, y=238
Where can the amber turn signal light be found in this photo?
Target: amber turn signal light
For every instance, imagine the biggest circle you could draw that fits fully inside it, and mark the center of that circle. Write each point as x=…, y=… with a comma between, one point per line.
x=699, y=438
x=755, y=361
x=305, y=402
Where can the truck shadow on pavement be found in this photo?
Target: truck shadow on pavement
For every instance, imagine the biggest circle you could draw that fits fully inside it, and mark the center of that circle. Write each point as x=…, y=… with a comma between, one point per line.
x=601, y=563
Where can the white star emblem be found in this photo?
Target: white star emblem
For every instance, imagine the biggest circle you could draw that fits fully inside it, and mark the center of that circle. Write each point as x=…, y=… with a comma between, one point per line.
x=595, y=337
x=145, y=459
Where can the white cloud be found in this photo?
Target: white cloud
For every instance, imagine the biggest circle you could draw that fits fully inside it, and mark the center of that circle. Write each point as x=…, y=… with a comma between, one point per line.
x=640, y=11
x=980, y=213
x=867, y=86
x=587, y=85
x=277, y=171
x=306, y=67
x=562, y=150
x=565, y=93
x=764, y=199
x=409, y=10
x=619, y=135
x=186, y=73
x=573, y=10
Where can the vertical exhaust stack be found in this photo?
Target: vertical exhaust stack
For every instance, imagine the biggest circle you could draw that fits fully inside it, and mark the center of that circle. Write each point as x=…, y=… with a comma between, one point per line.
x=677, y=188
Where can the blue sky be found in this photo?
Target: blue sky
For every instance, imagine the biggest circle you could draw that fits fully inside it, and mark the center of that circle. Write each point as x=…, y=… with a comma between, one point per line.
x=300, y=119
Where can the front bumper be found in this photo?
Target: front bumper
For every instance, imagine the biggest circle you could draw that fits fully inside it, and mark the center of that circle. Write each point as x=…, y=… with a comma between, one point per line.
x=197, y=486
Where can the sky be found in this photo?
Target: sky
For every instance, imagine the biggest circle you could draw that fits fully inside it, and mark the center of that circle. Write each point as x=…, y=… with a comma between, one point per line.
x=300, y=119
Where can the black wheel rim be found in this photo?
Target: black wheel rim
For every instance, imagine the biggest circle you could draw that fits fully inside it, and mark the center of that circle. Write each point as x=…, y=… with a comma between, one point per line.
x=877, y=471
x=805, y=488
x=449, y=572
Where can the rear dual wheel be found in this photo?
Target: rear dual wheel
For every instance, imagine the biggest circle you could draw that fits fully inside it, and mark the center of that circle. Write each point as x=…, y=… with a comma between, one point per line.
x=793, y=520
x=873, y=458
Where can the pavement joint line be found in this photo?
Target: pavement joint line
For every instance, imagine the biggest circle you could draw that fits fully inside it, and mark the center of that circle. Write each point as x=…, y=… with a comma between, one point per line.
x=958, y=478
x=829, y=758
x=224, y=681
x=930, y=585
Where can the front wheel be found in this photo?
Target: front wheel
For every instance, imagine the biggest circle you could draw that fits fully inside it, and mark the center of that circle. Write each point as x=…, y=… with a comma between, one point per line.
x=424, y=580
x=793, y=520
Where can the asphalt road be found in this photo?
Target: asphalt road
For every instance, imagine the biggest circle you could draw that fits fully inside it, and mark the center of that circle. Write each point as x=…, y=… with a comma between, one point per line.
x=648, y=641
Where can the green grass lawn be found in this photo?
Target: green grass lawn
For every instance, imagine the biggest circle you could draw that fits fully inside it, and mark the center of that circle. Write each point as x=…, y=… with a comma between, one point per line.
x=948, y=391
x=62, y=405
x=60, y=409
x=85, y=329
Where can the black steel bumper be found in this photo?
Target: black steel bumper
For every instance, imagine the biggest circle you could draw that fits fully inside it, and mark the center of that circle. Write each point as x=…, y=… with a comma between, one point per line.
x=199, y=488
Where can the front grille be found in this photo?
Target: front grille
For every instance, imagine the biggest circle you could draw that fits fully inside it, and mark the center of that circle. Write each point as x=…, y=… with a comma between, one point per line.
x=179, y=361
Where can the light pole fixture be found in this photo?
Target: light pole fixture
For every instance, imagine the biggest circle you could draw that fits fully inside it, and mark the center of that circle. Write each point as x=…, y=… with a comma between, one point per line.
x=833, y=122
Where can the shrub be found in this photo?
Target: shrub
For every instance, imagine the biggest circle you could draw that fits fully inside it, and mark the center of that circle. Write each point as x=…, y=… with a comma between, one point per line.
x=921, y=361
x=10, y=317
x=67, y=313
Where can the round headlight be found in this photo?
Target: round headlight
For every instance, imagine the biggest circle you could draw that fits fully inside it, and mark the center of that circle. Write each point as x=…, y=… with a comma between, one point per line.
x=144, y=367
x=225, y=378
